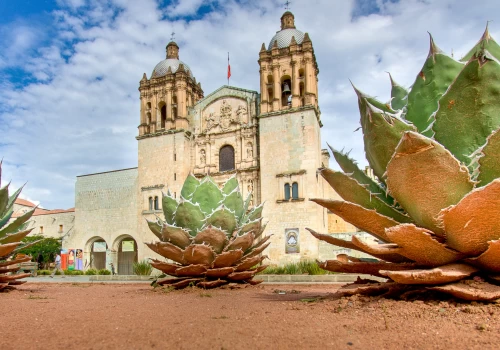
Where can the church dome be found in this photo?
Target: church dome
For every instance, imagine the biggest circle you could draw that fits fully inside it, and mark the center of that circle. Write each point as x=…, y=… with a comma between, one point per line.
x=284, y=37
x=162, y=67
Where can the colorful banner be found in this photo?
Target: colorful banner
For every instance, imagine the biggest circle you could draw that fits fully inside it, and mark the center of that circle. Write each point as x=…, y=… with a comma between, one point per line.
x=71, y=259
x=79, y=259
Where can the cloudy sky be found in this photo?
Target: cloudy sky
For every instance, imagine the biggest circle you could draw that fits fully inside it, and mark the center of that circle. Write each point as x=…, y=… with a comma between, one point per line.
x=70, y=69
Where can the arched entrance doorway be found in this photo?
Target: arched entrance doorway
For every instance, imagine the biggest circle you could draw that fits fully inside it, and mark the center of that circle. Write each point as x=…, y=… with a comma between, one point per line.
x=127, y=255
x=97, y=258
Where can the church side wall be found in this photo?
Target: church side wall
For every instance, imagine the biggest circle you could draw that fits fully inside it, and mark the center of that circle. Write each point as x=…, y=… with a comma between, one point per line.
x=105, y=208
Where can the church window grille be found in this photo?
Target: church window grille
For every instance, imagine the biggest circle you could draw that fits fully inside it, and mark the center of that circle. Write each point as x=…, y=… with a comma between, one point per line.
x=157, y=205
x=175, y=176
x=41, y=230
x=295, y=190
x=60, y=228
x=175, y=157
x=226, y=158
x=287, y=191
x=150, y=203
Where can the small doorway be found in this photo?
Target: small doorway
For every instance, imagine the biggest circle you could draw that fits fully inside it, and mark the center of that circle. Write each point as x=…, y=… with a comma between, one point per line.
x=98, y=254
x=127, y=256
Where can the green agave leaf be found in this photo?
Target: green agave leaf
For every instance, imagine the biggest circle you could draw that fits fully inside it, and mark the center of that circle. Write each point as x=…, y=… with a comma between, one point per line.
x=352, y=191
x=17, y=224
x=230, y=185
x=254, y=226
x=485, y=43
x=385, y=107
x=255, y=214
x=350, y=167
x=470, y=110
x=15, y=237
x=7, y=217
x=245, y=208
x=189, y=186
x=207, y=195
x=222, y=218
x=234, y=201
x=4, y=198
x=431, y=83
x=381, y=135
x=424, y=178
x=10, y=203
x=489, y=163
x=398, y=95
x=155, y=227
x=169, y=205
x=189, y=216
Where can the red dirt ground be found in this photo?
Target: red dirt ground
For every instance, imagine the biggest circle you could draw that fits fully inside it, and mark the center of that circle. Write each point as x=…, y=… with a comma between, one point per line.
x=136, y=316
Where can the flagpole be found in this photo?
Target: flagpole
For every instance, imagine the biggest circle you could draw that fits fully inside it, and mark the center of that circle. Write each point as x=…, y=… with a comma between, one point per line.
x=228, y=69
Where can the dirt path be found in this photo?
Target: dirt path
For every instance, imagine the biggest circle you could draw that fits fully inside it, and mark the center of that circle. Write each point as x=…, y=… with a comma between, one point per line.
x=134, y=316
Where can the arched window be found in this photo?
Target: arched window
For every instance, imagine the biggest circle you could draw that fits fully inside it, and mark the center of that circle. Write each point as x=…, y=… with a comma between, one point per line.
x=295, y=190
x=150, y=203
x=287, y=191
x=286, y=86
x=157, y=205
x=226, y=158
x=163, y=116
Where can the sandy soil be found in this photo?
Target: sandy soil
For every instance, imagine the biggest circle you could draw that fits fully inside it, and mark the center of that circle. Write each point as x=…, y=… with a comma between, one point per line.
x=134, y=316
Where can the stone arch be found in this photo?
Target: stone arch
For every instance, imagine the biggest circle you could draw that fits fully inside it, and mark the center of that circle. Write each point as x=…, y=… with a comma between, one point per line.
x=95, y=254
x=162, y=107
x=125, y=247
x=286, y=82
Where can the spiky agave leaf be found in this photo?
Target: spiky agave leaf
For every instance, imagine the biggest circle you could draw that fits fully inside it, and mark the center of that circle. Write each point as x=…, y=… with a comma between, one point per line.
x=399, y=95
x=486, y=43
x=471, y=106
x=431, y=83
x=488, y=156
x=211, y=236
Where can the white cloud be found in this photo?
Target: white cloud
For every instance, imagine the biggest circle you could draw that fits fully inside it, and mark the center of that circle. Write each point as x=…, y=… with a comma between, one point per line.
x=80, y=115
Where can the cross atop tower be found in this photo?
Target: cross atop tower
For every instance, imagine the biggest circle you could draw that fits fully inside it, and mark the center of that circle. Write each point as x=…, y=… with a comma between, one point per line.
x=172, y=37
x=287, y=5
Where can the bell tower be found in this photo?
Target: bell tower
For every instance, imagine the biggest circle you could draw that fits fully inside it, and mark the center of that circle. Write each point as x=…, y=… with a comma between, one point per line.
x=290, y=144
x=288, y=69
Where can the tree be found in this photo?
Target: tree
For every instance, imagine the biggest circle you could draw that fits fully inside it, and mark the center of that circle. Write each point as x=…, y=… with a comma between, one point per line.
x=48, y=247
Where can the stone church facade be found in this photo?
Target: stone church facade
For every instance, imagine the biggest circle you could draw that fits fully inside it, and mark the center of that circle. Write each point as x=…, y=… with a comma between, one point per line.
x=270, y=140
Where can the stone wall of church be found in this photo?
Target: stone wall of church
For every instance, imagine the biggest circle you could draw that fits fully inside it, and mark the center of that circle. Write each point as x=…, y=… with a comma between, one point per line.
x=55, y=225
x=290, y=153
x=105, y=209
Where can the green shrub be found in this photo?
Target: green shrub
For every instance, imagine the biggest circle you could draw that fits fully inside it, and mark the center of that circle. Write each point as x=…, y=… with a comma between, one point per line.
x=44, y=272
x=300, y=268
x=103, y=272
x=91, y=272
x=143, y=268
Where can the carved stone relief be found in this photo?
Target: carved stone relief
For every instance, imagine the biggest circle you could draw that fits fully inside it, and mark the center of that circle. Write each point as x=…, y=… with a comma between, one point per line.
x=229, y=116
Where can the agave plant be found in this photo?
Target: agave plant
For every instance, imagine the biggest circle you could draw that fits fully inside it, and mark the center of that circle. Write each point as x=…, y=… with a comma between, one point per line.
x=11, y=234
x=435, y=203
x=210, y=235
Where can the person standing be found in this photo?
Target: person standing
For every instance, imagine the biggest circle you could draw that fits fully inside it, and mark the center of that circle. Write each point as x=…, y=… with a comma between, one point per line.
x=58, y=266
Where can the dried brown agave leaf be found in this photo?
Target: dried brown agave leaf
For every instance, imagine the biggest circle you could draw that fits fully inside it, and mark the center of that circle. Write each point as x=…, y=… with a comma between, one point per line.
x=18, y=259
x=212, y=236
x=11, y=268
x=6, y=278
x=3, y=285
x=473, y=222
x=490, y=259
x=241, y=276
x=438, y=275
x=168, y=250
x=220, y=272
x=420, y=245
x=388, y=256
x=249, y=263
x=6, y=249
x=424, y=177
x=227, y=258
x=165, y=267
x=257, y=250
x=242, y=242
x=175, y=235
x=211, y=284
x=185, y=283
x=199, y=254
x=370, y=268
x=365, y=219
x=471, y=290
x=191, y=271
x=366, y=289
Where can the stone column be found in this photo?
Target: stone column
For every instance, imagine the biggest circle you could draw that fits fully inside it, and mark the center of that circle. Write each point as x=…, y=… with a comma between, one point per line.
x=295, y=85
x=277, y=88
